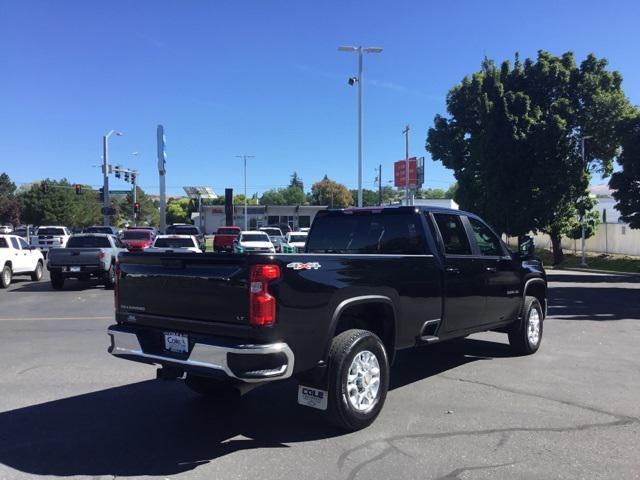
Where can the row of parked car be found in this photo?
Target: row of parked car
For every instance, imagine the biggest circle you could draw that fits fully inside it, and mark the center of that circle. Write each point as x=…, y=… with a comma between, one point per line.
x=269, y=239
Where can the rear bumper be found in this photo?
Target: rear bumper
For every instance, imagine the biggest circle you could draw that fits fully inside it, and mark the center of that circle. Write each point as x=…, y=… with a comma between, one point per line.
x=246, y=363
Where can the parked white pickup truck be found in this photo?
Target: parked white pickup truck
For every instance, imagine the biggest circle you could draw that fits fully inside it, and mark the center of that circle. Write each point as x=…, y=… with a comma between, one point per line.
x=50, y=237
x=18, y=258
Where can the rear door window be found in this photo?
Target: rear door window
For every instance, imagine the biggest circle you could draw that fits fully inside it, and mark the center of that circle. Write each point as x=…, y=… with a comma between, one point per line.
x=14, y=242
x=454, y=236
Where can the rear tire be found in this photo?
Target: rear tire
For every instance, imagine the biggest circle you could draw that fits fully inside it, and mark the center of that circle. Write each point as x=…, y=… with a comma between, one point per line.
x=110, y=277
x=358, y=379
x=526, y=334
x=57, y=281
x=6, y=276
x=36, y=275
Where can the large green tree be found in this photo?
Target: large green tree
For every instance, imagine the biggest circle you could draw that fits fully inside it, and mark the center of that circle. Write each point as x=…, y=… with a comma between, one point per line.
x=370, y=198
x=7, y=187
x=513, y=140
x=60, y=205
x=626, y=183
x=10, y=207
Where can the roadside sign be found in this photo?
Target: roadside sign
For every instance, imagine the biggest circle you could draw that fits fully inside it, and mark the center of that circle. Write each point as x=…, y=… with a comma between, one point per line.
x=416, y=172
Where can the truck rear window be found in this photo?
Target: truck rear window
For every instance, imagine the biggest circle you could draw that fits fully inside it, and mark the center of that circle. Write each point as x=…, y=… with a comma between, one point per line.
x=136, y=235
x=174, y=243
x=51, y=231
x=183, y=231
x=367, y=233
x=228, y=231
x=88, y=242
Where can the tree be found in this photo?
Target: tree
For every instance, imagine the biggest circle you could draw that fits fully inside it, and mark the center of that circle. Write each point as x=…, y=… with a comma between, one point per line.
x=10, y=210
x=7, y=187
x=370, y=198
x=626, y=183
x=431, y=193
x=239, y=200
x=273, y=197
x=60, y=205
x=178, y=211
x=149, y=211
x=513, y=139
x=328, y=192
x=296, y=182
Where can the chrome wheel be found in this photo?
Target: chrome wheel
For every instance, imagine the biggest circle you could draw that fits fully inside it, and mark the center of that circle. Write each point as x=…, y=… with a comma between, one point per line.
x=363, y=381
x=533, y=327
x=6, y=276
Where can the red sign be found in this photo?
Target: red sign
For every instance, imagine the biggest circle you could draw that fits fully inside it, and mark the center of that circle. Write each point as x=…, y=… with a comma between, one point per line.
x=400, y=173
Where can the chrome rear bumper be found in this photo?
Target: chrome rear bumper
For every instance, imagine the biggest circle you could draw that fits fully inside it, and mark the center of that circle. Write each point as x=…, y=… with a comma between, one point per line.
x=206, y=356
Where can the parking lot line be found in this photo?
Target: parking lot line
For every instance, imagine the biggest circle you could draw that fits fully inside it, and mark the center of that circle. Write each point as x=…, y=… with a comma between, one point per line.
x=22, y=319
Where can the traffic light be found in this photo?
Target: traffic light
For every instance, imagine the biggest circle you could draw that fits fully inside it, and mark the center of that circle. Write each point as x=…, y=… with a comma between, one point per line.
x=117, y=170
x=78, y=188
x=44, y=186
x=133, y=177
x=136, y=208
x=126, y=176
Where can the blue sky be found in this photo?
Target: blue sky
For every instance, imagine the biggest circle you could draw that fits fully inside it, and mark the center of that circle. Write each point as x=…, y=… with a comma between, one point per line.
x=262, y=78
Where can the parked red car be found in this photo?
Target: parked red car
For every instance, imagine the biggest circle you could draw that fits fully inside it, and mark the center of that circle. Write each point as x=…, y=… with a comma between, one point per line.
x=223, y=240
x=137, y=239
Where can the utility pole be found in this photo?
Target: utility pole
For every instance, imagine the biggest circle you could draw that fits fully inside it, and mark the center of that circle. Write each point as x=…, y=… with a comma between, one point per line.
x=359, y=50
x=380, y=184
x=583, y=262
x=135, y=196
x=244, y=158
x=105, y=176
x=162, y=161
x=406, y=164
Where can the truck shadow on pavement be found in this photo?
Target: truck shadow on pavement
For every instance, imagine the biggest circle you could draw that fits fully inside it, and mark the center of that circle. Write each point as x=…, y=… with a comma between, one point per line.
x=45, y=286
x=160, y=428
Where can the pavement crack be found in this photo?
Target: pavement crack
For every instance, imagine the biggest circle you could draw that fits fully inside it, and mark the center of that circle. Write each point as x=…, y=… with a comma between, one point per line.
x=543, y=397
x=455, y=474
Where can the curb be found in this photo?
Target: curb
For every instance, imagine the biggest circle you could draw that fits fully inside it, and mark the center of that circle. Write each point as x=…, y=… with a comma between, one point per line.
x=593, y=270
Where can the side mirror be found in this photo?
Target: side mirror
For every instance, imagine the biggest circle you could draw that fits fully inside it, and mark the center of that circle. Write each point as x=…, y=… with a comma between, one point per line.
x=525, y=246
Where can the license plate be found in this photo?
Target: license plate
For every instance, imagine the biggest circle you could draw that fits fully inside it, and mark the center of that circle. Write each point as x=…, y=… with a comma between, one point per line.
x=74, y=269
x=312, y=397
x=176, y=342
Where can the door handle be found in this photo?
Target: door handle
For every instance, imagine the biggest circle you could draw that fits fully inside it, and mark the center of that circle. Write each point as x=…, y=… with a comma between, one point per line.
x=491, y=269
x=452, y=270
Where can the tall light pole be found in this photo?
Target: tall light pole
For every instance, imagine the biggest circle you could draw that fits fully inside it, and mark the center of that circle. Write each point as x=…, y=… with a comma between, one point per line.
x=105, y=176
x=244, y=158
x=406, y=165
x=358, y=80
x=583, y=262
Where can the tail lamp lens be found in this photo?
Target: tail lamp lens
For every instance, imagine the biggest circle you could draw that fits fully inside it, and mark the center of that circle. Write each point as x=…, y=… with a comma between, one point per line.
x=262, y=305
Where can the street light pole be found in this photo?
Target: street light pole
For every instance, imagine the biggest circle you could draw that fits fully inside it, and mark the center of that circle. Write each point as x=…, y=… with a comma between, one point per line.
x=583, y=262
x=105, y=176
x=406, y=165
x=244, y=158
x=360, y=50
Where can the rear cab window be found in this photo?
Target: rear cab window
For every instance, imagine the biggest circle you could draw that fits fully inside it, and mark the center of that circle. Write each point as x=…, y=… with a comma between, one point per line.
x=88, y=242
x=367, y=232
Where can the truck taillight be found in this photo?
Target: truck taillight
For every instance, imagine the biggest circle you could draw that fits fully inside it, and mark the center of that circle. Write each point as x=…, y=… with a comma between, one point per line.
x=262, y=306
x=101, y=254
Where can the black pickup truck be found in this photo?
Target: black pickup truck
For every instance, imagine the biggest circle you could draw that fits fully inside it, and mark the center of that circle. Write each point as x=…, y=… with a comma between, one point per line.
x=370, y=282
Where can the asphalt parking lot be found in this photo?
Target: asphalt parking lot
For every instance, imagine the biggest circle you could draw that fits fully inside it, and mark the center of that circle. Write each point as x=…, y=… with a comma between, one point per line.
x=464, y=410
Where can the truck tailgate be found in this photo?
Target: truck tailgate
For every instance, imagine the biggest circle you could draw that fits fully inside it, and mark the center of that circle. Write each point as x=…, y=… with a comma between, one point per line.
x=191, y=286
x=74, y=256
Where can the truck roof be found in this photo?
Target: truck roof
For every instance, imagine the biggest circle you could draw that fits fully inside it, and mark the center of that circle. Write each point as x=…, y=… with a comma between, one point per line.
x=394, y=209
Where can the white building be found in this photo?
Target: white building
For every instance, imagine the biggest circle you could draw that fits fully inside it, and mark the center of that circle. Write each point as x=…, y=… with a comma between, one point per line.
x=296, y=216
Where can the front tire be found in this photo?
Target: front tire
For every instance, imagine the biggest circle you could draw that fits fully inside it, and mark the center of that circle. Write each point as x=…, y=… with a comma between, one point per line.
x=526, y=335
x=6, y=276
x=36, y=275
x=358, y=379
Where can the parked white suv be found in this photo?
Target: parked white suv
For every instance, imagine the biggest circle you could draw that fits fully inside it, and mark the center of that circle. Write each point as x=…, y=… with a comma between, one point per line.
x=48, y=237
x=18, y=258
x=255, y=241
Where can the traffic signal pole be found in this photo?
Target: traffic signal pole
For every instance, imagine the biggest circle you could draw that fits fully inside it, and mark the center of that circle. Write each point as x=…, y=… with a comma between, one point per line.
x=135, y=200
x=105, y=179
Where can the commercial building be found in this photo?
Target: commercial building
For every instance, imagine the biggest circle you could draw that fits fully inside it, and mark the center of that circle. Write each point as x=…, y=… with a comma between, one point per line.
x=296, y=216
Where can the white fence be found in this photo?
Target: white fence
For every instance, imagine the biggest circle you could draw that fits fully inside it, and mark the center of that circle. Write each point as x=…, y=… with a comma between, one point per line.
x=610, y=238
